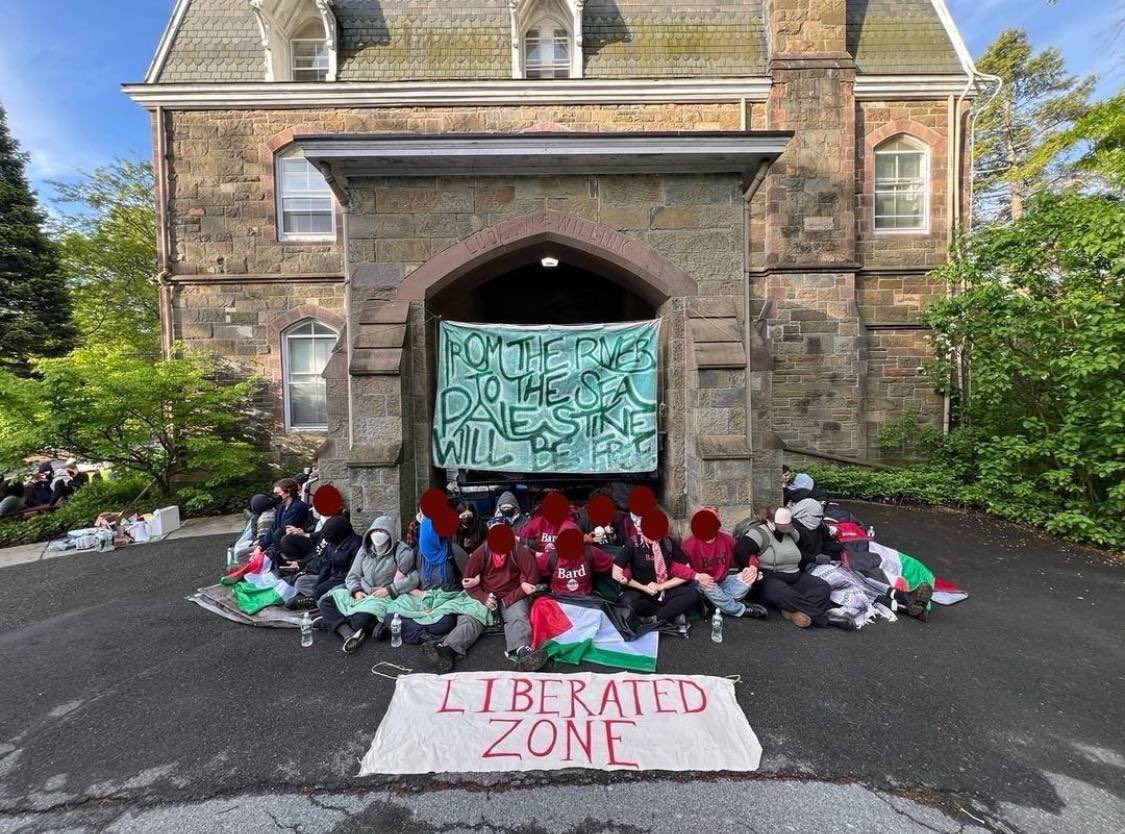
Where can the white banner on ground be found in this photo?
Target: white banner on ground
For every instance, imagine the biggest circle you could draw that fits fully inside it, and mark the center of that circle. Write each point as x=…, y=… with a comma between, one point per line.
x=474, y=722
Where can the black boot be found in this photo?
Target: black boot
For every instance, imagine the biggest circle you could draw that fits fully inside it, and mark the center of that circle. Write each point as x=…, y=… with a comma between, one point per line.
x=756, y=612
x=440, y=657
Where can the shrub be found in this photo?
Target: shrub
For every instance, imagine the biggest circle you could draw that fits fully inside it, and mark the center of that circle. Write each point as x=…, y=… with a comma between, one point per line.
x=940, y=483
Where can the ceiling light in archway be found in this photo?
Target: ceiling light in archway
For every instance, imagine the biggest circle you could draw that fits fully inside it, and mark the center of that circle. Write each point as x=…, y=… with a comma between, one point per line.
x=549, y=263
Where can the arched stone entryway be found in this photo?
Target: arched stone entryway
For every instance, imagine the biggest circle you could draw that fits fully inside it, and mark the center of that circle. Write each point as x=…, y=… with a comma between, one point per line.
x=382, y=445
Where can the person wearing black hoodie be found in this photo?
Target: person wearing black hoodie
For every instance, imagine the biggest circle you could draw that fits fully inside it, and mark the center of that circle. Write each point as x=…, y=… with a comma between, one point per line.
x=326, y=567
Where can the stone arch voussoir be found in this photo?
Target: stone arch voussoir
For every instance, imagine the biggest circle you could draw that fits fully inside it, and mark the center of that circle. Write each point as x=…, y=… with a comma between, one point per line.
x=654, y=276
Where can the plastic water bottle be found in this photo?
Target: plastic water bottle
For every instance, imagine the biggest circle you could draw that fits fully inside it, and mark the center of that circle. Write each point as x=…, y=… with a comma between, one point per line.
x=396, y=632
x=871, y=532
x=306, y=631
x=717, y=626
x=230, y=558
x=105, y=541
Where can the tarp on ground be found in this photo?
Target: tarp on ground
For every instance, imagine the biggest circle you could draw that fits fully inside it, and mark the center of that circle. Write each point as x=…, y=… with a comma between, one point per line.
x=476, y=722
x=547, y=399
x=220, y=599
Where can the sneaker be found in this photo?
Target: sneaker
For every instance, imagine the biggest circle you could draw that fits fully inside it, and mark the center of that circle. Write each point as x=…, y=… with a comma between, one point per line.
x=352, y=644
x=440, y=657
x=841, y=621
x=755, y=611
x=381, y=632
x=529, y=659
x=303, y=602
x=798, y=618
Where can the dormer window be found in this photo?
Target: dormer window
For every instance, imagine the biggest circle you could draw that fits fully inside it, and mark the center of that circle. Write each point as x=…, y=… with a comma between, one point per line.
x=298, y=38
x=546, y=38
x=308, y=54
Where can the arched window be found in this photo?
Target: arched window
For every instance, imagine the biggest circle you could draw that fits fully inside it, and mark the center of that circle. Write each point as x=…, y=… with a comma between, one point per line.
x=306, y=210
x=308, y=53
x=305, y=349
x=547, y=38
x=546, y=50
x=902, y=180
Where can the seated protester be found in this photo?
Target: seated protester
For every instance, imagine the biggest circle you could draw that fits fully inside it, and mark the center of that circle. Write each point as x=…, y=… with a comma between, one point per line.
x=614, y=535
x=38, y=491
x=13, y=503
x=383, y=567
x=331, y=554
x=508, y=507
x=772, y=548
x=813, y=536
x=573, y=576
x=470, y=532
x=260, y=519
x=290, y=511
x=652, y=592
x=440, y=563
x=502, y=582
x=709, y=566
x=539, y=534
x=802, y=487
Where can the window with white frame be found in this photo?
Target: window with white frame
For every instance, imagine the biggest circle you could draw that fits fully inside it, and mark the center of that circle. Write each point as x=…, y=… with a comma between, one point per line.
x=308, y=54
x=305, y=350
x=901, y=186
x=305, y=207
x=547, y=49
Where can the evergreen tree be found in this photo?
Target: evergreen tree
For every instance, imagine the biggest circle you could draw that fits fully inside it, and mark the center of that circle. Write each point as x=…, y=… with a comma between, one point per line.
x=1038, y=101
x=35, y=315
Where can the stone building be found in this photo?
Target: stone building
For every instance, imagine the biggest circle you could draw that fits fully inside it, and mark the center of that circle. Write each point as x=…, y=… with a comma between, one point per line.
x=772, y=179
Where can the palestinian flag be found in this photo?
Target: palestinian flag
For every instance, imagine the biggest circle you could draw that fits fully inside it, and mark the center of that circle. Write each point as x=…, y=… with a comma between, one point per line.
x=907, y=573
x=258, y=563
x=256, y=586
x=590, y=630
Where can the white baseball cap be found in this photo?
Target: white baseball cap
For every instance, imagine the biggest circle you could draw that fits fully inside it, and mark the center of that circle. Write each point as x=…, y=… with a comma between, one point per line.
x=783, y=519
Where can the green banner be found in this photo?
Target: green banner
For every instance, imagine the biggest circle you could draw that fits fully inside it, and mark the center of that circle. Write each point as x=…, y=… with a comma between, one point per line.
x=546, y=399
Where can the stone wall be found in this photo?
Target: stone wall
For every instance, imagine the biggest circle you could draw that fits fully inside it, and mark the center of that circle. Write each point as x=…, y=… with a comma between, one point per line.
x=243, y=324
x=223, y=205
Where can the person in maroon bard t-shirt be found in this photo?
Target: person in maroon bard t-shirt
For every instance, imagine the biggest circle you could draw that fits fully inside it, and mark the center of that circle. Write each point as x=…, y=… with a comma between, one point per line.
x=710, y=562
x=572, y=574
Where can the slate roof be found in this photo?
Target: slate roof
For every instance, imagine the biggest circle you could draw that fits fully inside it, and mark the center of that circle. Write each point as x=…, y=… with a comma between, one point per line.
x=391, y=40
x=896, y=37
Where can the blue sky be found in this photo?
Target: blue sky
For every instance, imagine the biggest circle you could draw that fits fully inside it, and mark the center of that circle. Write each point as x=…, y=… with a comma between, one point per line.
x=62, y=61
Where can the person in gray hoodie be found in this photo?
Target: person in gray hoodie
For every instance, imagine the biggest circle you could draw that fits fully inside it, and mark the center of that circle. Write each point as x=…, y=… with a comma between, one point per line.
x=508, y=507
x=383, y=567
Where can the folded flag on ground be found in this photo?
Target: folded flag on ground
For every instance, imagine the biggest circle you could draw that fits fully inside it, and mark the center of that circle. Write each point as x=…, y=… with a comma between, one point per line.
x=591, y=630
x=256, y=586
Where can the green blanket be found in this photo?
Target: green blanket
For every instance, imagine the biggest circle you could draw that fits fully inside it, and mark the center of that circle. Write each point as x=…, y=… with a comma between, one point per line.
x=424, y=610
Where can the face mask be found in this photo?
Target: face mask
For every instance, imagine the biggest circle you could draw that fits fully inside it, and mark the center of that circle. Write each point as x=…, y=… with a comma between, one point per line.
x=419, y=517
x=381, y=541
x=511, y=512
x=636, y=519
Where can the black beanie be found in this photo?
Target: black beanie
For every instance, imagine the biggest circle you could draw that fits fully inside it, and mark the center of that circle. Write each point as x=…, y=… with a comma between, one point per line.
x=337, y=529
x=261, y=503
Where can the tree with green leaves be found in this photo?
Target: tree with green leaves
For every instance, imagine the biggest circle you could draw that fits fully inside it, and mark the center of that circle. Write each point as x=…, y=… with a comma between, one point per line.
x=108, y=250
x=35, y=318
x=162, y=420
x=1039, y=318
x=1096, y=144
x=1038, y=101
